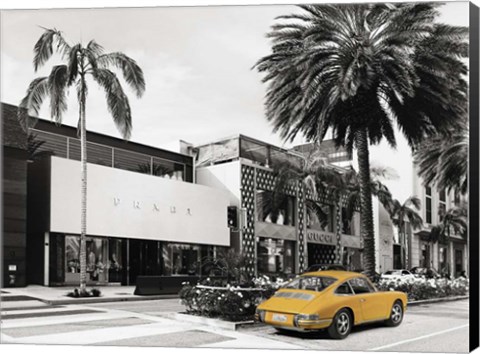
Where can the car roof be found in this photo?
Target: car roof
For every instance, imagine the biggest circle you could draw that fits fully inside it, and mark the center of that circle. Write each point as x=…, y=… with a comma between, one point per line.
x=338, y=274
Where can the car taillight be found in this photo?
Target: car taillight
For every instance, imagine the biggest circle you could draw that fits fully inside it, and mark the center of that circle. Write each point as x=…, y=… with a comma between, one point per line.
x=303, y=317
x=260, y=315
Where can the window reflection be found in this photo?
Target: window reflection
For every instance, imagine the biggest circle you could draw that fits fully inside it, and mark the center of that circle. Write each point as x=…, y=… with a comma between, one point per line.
x=276, y=256
x=275, y=208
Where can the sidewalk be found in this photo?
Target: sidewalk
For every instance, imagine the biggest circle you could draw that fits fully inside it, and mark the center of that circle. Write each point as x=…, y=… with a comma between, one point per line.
x=57, y=295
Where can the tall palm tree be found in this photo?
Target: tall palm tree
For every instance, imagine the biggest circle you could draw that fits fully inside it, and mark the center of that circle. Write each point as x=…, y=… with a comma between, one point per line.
x=442, y=159
x=81, y=63
x=403, y=213
x=345, y=189
x=452, y=220
x=355, y=69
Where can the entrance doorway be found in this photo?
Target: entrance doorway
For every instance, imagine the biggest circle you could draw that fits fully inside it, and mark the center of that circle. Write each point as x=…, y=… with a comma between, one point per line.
x=145, y=258
x=458, y=262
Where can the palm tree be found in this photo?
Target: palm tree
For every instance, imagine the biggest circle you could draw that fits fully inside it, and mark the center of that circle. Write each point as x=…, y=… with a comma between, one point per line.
x=443, y=159
x=340, y=185
x=355, y=69
x=400, y=214
x=81, y=62
x=345, y=189
x=452, y=220
x=33, y=148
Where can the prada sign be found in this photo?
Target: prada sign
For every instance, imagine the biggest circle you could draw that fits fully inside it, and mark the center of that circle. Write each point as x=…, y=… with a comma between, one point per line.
x=322, y=237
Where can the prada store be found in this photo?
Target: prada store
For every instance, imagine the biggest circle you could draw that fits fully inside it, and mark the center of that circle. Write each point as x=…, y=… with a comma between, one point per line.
x=137, y=224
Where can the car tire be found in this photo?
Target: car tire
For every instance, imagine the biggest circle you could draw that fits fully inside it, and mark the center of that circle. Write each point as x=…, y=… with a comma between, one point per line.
x=341, y=325
x=396, y=314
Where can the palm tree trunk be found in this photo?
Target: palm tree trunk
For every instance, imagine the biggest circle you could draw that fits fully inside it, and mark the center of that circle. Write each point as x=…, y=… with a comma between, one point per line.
x=366, y=215
x=338, y=230
x=83, y=208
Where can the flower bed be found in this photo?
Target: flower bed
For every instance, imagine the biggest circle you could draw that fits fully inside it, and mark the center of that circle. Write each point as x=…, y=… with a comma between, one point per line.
x=232, y=303
x=423, y=289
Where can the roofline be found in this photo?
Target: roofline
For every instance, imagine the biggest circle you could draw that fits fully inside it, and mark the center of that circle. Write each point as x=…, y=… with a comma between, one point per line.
x=90, y=132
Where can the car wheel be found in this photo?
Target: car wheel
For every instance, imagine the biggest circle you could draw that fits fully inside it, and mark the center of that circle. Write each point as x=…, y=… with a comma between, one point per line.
x=396, y=315
x=341, y=325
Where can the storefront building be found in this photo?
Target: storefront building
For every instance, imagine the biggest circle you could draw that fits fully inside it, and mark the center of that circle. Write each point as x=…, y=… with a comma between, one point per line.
x=285, y=240
x=14, y=197
x=448, y=256
x=144, y=214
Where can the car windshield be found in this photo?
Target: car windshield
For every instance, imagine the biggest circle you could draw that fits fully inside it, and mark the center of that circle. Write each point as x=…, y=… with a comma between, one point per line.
x=314, y=283
x=394, y=272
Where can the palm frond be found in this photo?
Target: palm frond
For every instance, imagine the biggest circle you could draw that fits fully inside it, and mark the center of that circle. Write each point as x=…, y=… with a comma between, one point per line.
x=117, y=101
x=73, y=63
x=43, y=49
x=132, y=73
x=57, y=85
x=31, y=103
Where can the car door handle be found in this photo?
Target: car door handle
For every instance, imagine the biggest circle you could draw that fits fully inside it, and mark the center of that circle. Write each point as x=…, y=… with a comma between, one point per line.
x=363, y=300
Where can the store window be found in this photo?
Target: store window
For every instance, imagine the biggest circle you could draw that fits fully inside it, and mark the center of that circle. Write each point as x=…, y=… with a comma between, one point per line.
x=275, y=208
x=276, y=256
x=442, y=260
x=428, y=205
x=56, y=259
x=116, y=264
x=425, y=255
x=185, y=259
x=442, y=204
x=319, y=216
x=97, y=258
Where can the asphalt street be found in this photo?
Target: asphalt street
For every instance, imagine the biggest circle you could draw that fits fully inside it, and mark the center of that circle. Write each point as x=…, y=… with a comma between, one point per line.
x=439, y=327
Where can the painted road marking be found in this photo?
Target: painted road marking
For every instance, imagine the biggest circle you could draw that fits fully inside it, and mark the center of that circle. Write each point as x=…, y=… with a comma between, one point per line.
x=419, y=338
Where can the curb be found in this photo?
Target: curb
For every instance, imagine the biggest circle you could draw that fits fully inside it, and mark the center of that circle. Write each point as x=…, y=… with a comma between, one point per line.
x=440, y=299
x=95, y=300
x=212, y=322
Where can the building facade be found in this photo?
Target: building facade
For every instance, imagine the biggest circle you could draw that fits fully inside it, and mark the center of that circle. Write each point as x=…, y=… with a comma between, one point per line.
x=291, y=239
x=144, y=214
x=14, y=196
x=448, y=256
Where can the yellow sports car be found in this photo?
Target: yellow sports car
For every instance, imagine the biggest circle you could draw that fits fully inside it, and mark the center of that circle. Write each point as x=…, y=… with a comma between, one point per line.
x=336, y=300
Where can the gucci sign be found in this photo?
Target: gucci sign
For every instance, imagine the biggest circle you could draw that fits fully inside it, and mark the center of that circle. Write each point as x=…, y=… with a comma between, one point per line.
x=321, y=237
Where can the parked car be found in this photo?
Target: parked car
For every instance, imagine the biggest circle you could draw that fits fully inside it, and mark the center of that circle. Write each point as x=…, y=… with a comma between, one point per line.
x=331, y=300
x=429, y=273
x=397, y=274
x=319, y=267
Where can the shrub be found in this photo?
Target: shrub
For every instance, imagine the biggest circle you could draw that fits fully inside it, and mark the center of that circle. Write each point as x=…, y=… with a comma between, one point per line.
x=422, y=289
x=76, y=293
x=233, y=303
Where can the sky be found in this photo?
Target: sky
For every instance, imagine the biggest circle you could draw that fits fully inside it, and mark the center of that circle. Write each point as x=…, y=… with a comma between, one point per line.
x=197, y=62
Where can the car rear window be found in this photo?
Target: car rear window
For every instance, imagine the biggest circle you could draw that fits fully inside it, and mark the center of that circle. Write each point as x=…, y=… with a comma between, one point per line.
x=314, y=283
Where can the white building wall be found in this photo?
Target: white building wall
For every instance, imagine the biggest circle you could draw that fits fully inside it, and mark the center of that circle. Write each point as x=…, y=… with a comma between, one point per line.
x=129, y=204
x=225, y=176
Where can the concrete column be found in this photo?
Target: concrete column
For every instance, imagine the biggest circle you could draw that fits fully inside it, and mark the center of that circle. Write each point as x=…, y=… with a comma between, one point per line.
x=46, y=262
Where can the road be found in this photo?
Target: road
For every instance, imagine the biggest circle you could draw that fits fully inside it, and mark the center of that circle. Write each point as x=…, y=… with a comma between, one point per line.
x=439, y=327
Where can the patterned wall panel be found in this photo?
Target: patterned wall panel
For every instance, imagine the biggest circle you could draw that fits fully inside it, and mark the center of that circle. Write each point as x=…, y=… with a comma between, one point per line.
x=321, y=254
x=248, y=203
x=301, y=220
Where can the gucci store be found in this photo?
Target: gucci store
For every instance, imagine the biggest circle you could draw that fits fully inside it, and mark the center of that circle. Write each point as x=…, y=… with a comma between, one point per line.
x=137, y=224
